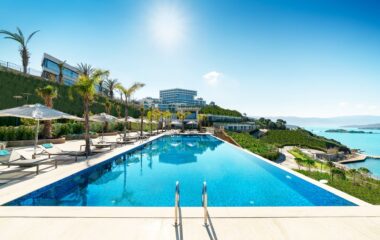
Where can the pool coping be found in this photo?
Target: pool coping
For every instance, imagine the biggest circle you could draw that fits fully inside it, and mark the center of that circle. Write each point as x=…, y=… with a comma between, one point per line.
x=10, y=193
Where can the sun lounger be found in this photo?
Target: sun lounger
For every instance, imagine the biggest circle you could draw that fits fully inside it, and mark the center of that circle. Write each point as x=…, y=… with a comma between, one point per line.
x=53, y=150
x=98, y=145
x=13, y=158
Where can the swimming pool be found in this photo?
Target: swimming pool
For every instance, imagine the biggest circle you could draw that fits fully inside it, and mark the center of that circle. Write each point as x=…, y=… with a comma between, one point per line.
x=146, y=176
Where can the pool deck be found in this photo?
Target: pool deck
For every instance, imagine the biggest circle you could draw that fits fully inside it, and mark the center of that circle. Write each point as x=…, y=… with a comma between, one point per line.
x=291, y=223
x=362, y=222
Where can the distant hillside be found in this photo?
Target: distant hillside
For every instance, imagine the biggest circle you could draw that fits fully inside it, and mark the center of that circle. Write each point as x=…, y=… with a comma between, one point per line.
x=368, y=126
x=216, y=110
x=330, y=122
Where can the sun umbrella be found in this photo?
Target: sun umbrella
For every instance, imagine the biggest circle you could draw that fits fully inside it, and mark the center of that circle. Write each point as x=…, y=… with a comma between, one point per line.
x=130, y=119
x=37, y=112
x=103, y=117
x=191, y=123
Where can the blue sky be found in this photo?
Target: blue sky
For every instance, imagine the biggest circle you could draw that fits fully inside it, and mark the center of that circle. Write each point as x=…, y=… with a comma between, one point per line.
x=269, y=58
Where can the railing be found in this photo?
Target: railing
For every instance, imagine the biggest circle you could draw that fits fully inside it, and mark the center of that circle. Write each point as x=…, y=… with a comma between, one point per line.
x=18, y=68
x=204, y=202
x=176, y=203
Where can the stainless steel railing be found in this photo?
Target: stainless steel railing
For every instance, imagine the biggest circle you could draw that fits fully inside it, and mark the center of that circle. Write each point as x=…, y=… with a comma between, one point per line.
x=204, y=202
x=176, y=203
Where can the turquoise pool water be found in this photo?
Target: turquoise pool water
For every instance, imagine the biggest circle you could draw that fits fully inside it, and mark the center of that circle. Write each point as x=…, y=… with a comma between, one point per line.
x=368, y=143
x=146, y=177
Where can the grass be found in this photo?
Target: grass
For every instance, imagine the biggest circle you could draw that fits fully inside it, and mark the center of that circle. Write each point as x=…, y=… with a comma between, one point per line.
x=301, y=138
x=366, y=189
x=297, y=153
x=254, y=145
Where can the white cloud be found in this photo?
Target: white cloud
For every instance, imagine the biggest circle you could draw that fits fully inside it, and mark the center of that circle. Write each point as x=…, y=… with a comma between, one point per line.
x=212, y=78
x=343, y=104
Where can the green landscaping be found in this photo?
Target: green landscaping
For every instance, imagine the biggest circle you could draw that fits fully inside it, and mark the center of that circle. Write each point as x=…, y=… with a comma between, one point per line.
x=301, y=138
x=17, y=84
x=362, y=187
x=257, y=146
x=216, y=110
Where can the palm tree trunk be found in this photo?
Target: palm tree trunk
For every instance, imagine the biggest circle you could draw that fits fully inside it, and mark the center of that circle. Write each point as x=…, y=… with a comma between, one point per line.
x=25, y=59
x=141, y=123
x=126, y=117
x=87, y=127
x=47, y=124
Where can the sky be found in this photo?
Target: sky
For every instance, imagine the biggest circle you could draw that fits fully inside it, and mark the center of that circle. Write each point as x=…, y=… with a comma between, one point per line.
x=305, y=58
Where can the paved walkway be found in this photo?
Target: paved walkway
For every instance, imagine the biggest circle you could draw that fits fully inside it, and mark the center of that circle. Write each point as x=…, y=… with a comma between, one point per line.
x=317, y=223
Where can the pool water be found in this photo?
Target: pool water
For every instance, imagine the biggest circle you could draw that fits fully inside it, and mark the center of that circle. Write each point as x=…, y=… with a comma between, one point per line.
x=146, y=177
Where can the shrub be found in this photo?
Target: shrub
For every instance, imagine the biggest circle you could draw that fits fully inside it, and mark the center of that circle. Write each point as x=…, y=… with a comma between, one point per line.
x=254, y=145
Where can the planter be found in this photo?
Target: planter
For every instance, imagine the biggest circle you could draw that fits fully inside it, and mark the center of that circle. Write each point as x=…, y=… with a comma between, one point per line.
x=23, y=143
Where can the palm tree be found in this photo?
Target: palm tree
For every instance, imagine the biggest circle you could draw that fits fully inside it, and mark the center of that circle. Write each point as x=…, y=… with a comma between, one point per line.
x=60, y=75
x=118, y=110
x=141, y=120
x=24, y=52
x=201, y=118
x=86, y=88
x=107, y=107
x=149, y=116
x=309, y=162
x=111, y=85
x=47, y=93
x=182, y=116
x=128, y=92
x=167, y=117
x=85, y=69
x=101, y=87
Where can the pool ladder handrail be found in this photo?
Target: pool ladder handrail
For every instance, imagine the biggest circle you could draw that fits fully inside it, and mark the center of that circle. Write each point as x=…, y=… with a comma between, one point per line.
x=176, y=203
x=205, y=201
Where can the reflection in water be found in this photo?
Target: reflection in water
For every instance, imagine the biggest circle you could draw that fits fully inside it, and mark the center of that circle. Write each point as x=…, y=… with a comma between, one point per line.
x=107, y=183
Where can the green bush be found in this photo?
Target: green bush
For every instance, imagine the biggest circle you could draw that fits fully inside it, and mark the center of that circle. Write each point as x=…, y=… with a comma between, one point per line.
x=216, y=110
x=17, y=133
x=301, y=138
x=254, y=145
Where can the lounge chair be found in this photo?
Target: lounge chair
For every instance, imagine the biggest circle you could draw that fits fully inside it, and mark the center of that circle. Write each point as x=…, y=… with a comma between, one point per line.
x=13, y=158
x=53, y=150
x=98, y=145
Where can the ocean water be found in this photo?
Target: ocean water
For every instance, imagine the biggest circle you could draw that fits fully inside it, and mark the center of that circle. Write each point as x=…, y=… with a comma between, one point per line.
x=368, y=143
x=147, y=177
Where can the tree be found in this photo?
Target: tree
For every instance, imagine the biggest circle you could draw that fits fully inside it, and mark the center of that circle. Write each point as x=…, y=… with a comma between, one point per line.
x=149, y=116
x=200, y=118
x=85, y=69
x=111, y=85
x=353, y=172
x=281, y=124
x=299, y=162
x=167, y=116
x=331, y=165
x=182, y=116
x=24, y=52
x=338, y=172
x=364, y=172
x=60, y=75
x=86, y=88
x=128, y=92
x=118, y=110
x=309, y=162
x=107, y=107
x=47, y=93
x=141, y=120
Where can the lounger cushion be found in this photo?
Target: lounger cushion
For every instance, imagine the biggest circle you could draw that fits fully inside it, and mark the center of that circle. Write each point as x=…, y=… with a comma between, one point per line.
x=47, y=145
x=4, y=152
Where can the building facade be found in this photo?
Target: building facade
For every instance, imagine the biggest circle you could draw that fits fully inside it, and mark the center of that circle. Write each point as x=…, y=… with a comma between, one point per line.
x=181, y=97
x=50, y=70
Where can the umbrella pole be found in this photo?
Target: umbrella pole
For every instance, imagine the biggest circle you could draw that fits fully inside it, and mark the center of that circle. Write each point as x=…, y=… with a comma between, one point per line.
x=36, y=139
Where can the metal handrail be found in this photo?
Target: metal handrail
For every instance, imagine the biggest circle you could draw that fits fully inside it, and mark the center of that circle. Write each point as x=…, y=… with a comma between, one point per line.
x=176, y=203
x=204, y=201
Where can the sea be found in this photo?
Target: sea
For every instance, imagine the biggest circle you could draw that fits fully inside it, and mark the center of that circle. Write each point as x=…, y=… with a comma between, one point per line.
x=368, y=143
